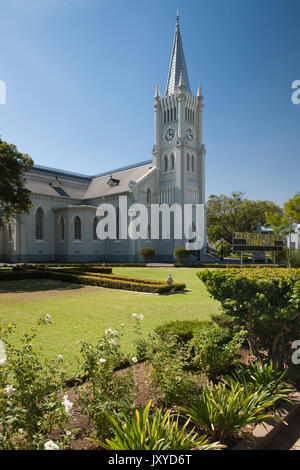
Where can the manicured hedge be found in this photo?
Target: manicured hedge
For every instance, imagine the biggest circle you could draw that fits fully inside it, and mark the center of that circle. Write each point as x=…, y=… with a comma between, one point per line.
x=225, y=265
x=87, y=272
x=97, y=278
x=84, y=265
x=113, y=283
x=20, y=275
x=76, y=269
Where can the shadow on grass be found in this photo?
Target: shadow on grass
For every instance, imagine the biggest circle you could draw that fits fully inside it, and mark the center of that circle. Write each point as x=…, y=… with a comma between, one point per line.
x=34, y=285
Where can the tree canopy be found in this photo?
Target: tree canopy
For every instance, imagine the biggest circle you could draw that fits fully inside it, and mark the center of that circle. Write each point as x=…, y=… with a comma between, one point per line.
x=228, y=214
x=14, y=196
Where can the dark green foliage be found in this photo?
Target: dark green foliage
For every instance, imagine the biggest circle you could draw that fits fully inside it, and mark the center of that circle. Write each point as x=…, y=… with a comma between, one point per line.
x=214, y=350
x=228, y=214
x=223, y=248
x=148, y=254
x=261, y=374
x=14, y=197
x=295, y=259
x=266, y=302
x=184, y=330
x=222, y=320
x=181, y=253
x=224, y=411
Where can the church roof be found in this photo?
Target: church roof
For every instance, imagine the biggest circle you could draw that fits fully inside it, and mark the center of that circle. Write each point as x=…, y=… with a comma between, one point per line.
x=53, y=182
x=177, y=64
x=99, y=185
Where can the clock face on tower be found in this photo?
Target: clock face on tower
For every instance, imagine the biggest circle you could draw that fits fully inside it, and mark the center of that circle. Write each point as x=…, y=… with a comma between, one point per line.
x=189, y=135
x=169, y=135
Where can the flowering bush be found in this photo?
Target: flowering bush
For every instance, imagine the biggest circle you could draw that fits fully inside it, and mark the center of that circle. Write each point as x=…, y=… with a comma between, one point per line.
x=168, y=361
x=106, y=392
x=30, y=407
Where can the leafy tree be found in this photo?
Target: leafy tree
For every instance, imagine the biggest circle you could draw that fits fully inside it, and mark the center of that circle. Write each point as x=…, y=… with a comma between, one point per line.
x=228, y=214
x=223, y=248
x=282, y=224
x=14, y=196
x=292, y=209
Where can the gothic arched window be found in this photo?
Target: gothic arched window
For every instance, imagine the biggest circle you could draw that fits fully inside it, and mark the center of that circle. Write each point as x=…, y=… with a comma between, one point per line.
x=62, y=228
x=39, y=224
x=193, y=163
x=117, y=223
x=9, y=232
x=148, y=196
x=188, y=162
x=172, y=161
x=95, y=223
x=77, y=228
x=165, y=163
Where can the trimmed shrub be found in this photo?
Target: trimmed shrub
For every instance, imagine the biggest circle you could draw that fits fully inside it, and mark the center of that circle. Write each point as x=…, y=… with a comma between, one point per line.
x=184, y=330
x=148, y=254
x=20, y=275
x=222, y=320
x=181, y=253
x=113, y=283
x=266, y=302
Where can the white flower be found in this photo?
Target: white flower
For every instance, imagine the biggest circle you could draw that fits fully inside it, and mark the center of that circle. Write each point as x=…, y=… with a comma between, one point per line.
x=112, y=341
x=50, y=445
x=48, y=317
x=108, y=331
x=9, y=390
x=114, y=332
x=141, y=317
x=134, y=315
x=59, y=356
x=67, y=404
x=122, y=325
x=134, y=359
x=102, y=360
x=3, y=360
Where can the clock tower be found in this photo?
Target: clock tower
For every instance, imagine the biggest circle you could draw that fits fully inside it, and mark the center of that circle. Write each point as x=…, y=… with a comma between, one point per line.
x=178, y=152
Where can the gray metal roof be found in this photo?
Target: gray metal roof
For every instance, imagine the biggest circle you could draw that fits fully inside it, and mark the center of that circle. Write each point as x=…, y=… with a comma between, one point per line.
x=42, y=180
x=177, y=65
x=99, y=186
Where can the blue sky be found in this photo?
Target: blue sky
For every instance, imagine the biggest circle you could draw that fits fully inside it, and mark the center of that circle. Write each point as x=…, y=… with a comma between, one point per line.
x=81, y=76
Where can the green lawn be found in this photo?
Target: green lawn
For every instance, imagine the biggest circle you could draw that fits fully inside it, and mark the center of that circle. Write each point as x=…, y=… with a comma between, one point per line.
x=84, y=312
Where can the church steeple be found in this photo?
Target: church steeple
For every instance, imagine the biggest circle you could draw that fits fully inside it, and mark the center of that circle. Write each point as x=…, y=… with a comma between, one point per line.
x=177, y=64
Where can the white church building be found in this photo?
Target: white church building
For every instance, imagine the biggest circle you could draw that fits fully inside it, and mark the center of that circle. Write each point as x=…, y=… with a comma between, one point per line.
x=61, y=225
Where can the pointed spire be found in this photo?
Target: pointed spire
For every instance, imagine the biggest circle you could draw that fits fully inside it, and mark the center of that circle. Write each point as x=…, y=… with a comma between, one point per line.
x=157, y=94
x=199, y=92
x=177, y=63
x=181, y=84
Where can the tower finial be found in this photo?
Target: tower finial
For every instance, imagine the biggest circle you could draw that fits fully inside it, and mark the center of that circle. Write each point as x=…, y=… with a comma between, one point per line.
x=157, y=94
x=177, y=17
x=181, y=84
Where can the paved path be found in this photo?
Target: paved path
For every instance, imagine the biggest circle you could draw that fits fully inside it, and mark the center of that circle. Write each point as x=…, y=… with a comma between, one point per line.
x=288, y=438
